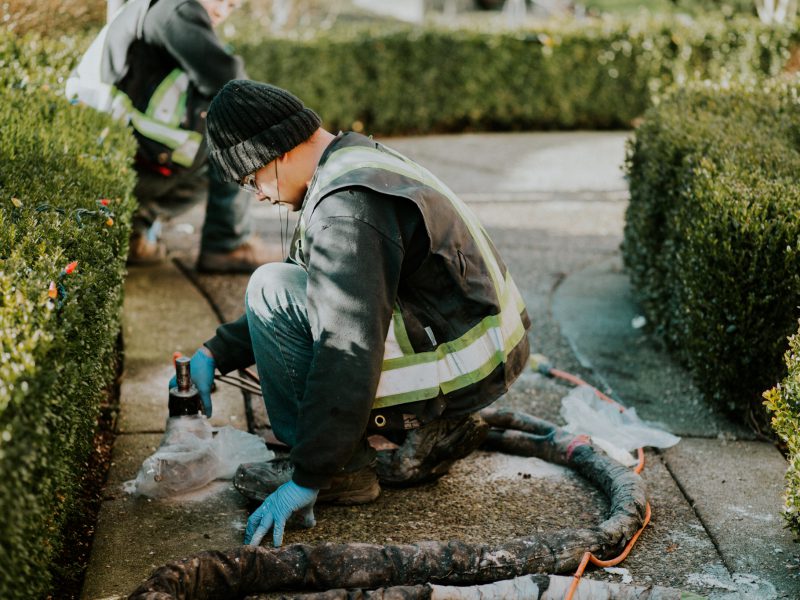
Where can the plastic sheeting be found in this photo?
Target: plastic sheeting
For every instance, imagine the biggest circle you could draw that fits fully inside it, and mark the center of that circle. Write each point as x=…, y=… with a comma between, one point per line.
x=586, y=413
x=192, y=454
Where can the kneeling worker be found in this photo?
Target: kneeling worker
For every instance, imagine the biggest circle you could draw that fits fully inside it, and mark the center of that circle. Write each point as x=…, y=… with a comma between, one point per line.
x=393, y=315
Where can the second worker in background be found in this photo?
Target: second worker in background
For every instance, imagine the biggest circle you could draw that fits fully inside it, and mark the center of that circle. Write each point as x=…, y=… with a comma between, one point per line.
x=157, y=65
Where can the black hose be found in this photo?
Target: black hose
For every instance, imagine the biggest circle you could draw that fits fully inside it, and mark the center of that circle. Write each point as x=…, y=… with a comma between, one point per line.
x=300, y=567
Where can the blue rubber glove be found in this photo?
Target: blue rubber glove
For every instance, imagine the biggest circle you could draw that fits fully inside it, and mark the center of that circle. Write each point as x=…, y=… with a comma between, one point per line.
x=277, y=509
x=202, y=368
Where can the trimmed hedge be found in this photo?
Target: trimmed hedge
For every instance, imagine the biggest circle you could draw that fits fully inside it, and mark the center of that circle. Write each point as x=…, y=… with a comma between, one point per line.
x=59, y=321
x=712, y=235
x=599, y=73
x=783, y=401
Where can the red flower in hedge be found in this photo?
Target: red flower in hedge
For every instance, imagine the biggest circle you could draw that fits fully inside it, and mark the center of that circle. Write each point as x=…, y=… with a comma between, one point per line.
x=70, y=267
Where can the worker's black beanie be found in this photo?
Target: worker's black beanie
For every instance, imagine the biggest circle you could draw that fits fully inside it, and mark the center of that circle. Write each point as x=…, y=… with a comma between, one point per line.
x=250, y=124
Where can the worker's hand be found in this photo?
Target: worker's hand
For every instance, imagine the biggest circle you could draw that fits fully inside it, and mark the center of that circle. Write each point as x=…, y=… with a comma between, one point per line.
x=202, y=368
x=277, y=509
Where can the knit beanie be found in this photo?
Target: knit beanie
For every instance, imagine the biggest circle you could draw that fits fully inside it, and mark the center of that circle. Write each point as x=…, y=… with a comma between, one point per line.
x=250, y=124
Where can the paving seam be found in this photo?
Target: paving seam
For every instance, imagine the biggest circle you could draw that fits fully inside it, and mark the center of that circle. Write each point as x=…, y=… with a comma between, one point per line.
x=693, y=505
x=192, y=277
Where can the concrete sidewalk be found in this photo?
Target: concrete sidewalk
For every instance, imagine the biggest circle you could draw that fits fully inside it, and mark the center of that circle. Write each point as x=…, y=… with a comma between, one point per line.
x=554, y=204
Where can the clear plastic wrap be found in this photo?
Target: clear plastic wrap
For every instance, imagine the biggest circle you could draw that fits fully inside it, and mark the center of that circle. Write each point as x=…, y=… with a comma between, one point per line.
x=192, y=454
x=615, y=432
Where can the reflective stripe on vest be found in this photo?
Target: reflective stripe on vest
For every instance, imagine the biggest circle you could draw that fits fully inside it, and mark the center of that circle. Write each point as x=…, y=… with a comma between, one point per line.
x=408, y=376
x=165, y=110
x=456, y=364
x=168, y=102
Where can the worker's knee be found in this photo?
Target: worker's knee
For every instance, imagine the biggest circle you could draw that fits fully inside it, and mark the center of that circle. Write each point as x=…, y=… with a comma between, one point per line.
x=274, y=286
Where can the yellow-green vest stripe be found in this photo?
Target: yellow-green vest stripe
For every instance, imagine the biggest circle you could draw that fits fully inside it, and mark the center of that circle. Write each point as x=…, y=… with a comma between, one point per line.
x=168, y=102
x=408, y=376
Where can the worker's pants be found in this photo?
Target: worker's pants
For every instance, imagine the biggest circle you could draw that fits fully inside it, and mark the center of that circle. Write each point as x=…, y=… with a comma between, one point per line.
x=282, y=343
x=227, y=221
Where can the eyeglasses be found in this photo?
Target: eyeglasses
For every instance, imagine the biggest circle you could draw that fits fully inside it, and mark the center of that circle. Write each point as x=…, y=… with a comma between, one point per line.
x=249, y=184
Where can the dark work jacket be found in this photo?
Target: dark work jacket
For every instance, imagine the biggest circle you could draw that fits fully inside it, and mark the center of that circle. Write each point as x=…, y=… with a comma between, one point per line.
x=367, y=249
x=176, y=34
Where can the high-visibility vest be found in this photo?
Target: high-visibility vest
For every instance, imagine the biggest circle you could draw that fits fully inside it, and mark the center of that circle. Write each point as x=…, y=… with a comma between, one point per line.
x=406, y=375
x=93, y=83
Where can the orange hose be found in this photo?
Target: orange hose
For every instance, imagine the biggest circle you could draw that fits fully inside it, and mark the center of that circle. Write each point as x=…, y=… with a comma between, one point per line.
x=588, y=556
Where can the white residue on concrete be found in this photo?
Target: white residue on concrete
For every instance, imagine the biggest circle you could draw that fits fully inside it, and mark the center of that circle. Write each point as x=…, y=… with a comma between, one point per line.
x=239, y=525
x=744, y=512
x=211, y=489
x=506, y=467
x=738, y=586
x=686, y=540
x=624, y=573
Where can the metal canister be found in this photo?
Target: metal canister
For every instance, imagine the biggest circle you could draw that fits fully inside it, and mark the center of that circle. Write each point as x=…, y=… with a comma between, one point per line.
x=184, y=399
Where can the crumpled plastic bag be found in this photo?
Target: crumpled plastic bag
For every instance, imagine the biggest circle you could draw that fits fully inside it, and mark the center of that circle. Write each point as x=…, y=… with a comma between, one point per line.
x=192, y=454
x=586, y=413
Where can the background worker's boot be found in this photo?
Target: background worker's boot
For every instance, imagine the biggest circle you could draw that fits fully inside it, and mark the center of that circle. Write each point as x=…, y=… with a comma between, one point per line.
x=429, y=451
x=145, y=247
x=258, y=480
x=243, y=259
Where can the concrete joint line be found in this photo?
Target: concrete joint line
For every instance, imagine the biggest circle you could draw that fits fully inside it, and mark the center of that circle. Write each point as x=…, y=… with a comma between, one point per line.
x=192, y=277
x=731, y=569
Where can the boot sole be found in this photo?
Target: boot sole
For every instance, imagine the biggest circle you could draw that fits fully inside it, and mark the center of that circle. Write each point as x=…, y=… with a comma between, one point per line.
x=350, y=498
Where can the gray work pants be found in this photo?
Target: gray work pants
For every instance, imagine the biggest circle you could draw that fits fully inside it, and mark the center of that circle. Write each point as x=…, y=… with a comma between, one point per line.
x=282, y=343
x=227, y=221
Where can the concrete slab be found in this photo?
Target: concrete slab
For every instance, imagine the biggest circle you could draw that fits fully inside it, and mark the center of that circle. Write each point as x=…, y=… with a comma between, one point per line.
x=163, y=313
x=736, y=490
x=595, y=309
x=135, y=535
x=674, y=545
x=503, y=163
x=129, y=452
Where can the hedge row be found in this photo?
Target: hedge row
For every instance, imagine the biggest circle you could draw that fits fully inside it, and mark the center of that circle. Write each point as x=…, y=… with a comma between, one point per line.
x=783, y=401
x=65, y=209
x=712, y=238
x=578, y=74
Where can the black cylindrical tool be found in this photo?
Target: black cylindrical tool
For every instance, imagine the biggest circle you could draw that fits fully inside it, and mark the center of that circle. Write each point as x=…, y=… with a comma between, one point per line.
x=184, y=399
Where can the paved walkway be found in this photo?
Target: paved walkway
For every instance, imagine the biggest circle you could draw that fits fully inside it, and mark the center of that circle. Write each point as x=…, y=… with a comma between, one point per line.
x=554, y=203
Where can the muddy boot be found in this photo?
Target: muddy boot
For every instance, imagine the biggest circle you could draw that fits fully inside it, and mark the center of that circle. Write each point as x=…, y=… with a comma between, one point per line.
x=428, y=452
x=244, y=259
x=256, y=481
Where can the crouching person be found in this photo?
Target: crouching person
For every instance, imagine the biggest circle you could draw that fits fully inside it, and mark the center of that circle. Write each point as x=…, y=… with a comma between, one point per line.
x=393, y=315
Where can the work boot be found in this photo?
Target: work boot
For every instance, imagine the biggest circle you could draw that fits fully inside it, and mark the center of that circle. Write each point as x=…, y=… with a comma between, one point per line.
x=145, y=249
x=244, y=259
x=429, y=451
x=258, y=480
